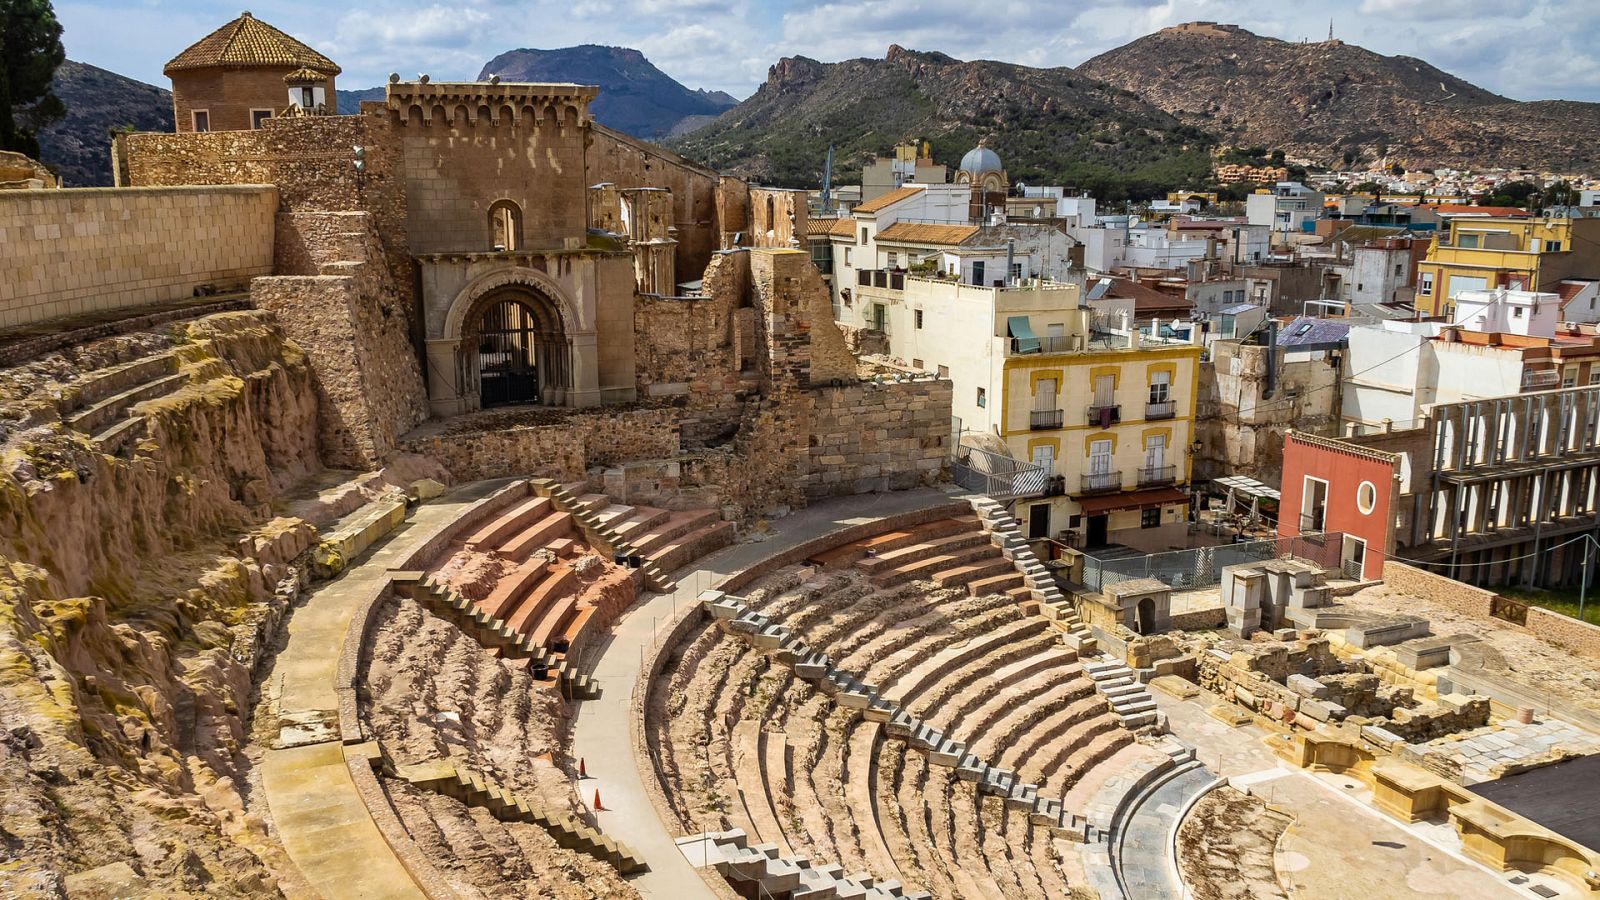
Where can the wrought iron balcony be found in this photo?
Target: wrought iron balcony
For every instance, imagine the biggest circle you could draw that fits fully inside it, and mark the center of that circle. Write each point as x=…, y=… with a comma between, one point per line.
x=1105, y=415
x=1102, y=482
x=1157, y=475
x=1166, y=409
x=1044, y=419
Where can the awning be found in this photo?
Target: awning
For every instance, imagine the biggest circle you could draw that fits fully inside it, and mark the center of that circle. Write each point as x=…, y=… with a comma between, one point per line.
x=1018, y=327
x=1095, y=506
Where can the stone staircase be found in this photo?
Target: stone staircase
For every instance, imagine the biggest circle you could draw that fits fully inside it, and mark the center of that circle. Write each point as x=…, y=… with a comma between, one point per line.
x=1129, y=698
x=495, y=634
x=762, y=871
x=658, y=540
x=758, y=630
x=1042, y=595
x=474, y=790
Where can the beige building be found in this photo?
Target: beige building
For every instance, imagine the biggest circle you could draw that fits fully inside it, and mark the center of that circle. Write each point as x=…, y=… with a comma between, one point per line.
x=1102, y=416
x=910, y=163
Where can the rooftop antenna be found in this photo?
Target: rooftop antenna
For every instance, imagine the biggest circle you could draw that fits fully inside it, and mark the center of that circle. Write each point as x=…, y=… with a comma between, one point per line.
x=827, y=181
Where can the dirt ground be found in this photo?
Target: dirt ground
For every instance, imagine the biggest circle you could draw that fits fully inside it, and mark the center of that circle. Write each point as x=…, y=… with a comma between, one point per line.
x=1565, y=678
x=1226, y=845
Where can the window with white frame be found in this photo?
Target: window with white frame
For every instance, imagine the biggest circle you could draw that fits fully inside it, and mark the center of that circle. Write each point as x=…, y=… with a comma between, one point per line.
x=1160, y=387
x=1425, y=284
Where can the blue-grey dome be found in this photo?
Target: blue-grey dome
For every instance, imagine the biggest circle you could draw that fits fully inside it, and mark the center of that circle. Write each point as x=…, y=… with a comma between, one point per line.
x=981, y=160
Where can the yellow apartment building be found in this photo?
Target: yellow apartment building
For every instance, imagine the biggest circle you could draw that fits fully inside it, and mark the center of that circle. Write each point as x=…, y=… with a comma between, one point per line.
x=1104, y=414
x=1114, y=421
x=1531, y=254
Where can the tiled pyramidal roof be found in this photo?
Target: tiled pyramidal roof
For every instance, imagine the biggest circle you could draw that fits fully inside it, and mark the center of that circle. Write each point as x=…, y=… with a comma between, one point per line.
x=248, y=41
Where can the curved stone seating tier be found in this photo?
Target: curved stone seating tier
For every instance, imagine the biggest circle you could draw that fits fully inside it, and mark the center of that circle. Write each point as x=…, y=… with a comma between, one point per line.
x=543, y=597
x=801, y=766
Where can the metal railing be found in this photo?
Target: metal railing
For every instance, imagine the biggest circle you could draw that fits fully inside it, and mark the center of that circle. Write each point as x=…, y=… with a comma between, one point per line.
x=881, y=278
x=1048, y=344
x=1154, y=475
x=1202, y=566
x=1101, y=482
x=1166, y=409
x=1312, y=523
x=1113, y=417
x=1545, y=379
x=1042, y=419
x=997, y=475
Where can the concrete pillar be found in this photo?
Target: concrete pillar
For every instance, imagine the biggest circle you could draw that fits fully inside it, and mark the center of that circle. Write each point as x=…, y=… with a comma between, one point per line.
x=585, y=371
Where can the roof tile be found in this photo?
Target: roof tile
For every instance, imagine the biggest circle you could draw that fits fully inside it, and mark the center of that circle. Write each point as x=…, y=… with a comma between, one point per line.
x=248, y=41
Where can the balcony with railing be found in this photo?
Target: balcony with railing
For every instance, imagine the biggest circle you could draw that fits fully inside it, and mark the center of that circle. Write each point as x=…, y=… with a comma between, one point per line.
x=1046, y=419
x=1166, y=409
x=881, y=278
x=1154, y=476
x=1048, y=344
x=1105, y=415
x=1102, y=482
x=1313, y=523
x=1538, y=381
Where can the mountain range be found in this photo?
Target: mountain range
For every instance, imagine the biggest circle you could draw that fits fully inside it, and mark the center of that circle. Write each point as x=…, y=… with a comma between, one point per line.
x=1137, y=120
x=78, y=147
x=1331, y=102
x=1053, y=125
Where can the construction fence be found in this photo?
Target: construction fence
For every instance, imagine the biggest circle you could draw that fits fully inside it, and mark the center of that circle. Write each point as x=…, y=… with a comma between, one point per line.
x=1202, y=566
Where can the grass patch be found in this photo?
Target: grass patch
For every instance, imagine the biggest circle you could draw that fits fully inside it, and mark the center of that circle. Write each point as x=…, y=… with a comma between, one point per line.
x=1561, y=600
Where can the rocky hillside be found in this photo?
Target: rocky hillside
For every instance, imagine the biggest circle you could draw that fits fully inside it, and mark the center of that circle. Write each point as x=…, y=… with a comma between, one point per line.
x=1331, y=101
x=79, y=146
x=635, y=97
x=1053, y=126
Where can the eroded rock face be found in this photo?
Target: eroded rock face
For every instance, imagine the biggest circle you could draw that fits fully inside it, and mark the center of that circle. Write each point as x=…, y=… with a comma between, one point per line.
x=141, y=568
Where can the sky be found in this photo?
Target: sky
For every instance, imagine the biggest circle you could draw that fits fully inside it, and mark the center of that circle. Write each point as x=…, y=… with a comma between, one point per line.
x=1525, y=49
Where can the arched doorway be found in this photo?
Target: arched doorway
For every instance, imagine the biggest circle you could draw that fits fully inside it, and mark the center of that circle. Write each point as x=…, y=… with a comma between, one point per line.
x=518, y=351
x=1147, y=615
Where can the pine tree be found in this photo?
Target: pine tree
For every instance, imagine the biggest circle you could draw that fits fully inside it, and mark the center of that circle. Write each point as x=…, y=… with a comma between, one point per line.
x=31, y=40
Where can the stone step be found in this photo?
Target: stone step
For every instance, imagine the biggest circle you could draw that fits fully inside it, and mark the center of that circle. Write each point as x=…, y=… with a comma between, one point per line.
x=1006, y=583
x=920, y=550
x=987, y=567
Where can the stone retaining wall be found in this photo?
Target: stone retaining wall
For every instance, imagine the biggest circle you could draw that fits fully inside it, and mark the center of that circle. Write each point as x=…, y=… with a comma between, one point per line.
x=563, y=451
x=1460, y=598
x=81, y=251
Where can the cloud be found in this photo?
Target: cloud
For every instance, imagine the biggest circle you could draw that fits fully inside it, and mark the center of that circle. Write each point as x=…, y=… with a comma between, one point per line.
x=729, y=44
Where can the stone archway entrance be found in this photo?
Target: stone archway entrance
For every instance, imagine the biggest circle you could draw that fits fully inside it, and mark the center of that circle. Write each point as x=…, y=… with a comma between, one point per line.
x=513, y=335
x=517, y=350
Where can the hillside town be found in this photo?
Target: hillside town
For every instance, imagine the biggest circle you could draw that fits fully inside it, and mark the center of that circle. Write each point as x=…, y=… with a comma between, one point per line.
x=446, y=493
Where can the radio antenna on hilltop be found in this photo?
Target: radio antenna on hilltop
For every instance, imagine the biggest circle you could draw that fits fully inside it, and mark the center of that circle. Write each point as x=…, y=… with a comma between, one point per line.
x=1330, y=30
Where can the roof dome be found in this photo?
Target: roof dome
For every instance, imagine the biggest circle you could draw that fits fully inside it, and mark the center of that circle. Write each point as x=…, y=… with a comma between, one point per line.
x=980, y=160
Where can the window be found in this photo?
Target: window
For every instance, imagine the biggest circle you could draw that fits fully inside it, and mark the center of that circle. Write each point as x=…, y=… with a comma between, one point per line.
x=1366, y=498
x=505, y=225
x=893, y=259
x=916, y=364
x=1552, y=246
x=201, y=118
x=919, y=318
x=944, y=371
x=847, y=256
x=1468, y=241
x=1016, y=271
x=259, y=117
x=1516, y=312
x=1425, y=284
x=863, y=241
x=1569, y=377
x=1313, y=506
x=1150, y=518
x=1160, y=387
x=977, y=272
x=1594, y=375
x=983, y=398
x=1399, y=268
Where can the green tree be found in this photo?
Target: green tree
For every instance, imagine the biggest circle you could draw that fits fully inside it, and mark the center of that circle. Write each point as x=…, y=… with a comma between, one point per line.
x=1368, y=187
x=1559, y=194
x=1277, y=157
x=31, y=38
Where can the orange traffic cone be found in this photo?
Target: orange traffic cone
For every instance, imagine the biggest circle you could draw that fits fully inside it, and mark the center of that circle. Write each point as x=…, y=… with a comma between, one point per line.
x=597, y=806
x=583, y=772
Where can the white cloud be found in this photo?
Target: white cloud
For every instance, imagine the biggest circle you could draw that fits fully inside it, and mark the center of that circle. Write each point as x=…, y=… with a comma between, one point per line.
x=1520, y=48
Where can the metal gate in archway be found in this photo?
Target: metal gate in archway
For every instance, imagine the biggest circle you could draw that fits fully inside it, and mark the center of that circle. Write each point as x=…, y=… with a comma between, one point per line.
x=508, y=360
